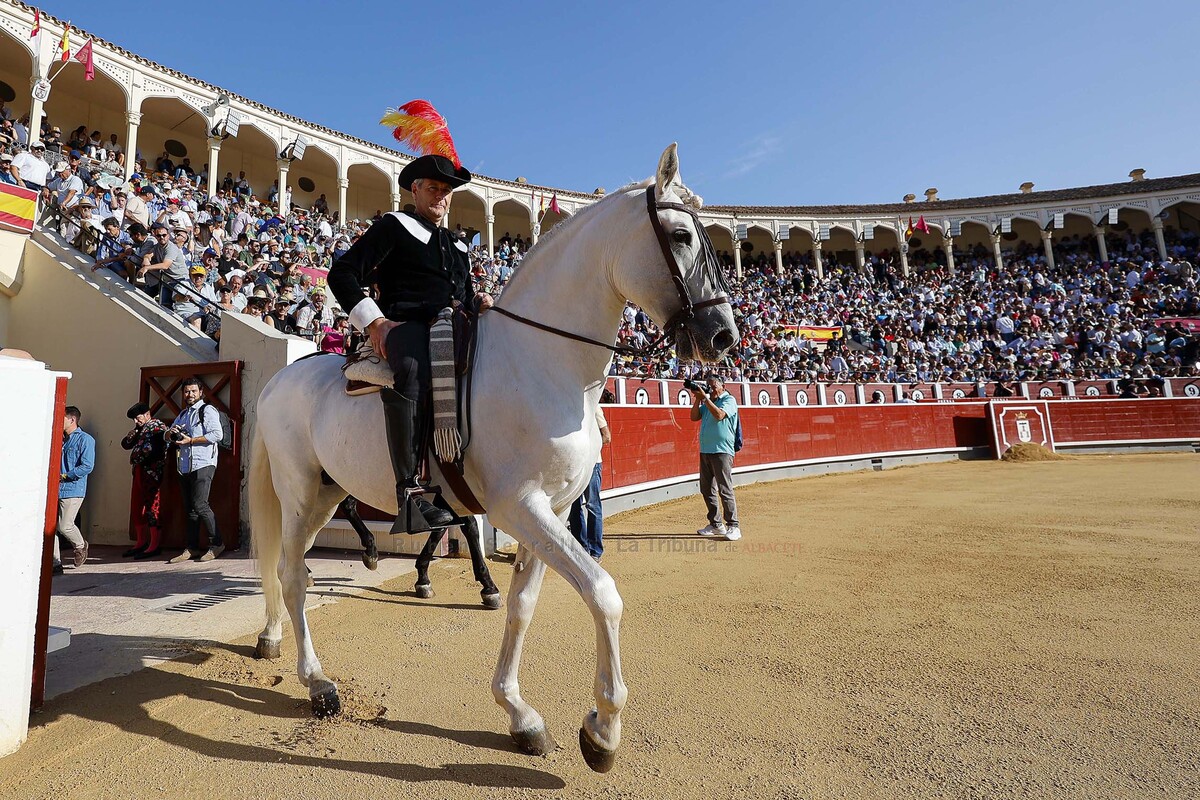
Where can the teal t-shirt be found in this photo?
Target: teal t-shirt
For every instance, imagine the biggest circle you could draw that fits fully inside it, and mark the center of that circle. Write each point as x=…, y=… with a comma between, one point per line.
x=717, y=436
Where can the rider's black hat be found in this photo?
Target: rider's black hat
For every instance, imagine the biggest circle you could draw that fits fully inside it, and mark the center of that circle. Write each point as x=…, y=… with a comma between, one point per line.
x=438, y=168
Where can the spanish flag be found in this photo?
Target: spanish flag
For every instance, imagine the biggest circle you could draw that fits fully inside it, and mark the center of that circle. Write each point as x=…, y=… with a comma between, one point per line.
x=909, y=231
x=18, y=206
x=64, y=46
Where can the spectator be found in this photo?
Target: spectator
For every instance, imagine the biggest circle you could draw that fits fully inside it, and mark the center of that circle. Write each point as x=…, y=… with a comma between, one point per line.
x=313, y=317
x=148, y=457
x=67, y=186
x=333, y=339
x=167, y=265
x=78, y=461
x=586, y=517
x=34, y=171
x=8, y=173
x=195, y=435
x=717, y=413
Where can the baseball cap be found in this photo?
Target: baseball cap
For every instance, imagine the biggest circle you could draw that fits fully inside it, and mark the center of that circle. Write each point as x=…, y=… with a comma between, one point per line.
x=197, y=270
x=61, y=165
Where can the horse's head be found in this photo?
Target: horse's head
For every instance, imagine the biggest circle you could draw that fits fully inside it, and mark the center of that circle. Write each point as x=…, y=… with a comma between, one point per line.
x=674, y=274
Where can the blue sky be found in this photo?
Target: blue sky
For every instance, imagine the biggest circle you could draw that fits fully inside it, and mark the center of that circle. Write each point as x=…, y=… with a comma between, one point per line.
x=771, y=103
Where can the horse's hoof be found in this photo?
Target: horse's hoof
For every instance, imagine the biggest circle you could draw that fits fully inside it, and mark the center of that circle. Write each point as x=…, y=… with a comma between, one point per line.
x=424, y=591
x=536, y=742
x=311, y=582
x=599, y=760
x=370, y=561
x=492, y=600
x=326, y=704
x=266, y=649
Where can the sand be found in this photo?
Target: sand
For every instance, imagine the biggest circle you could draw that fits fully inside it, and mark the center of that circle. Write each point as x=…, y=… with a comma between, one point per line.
x=966, y=630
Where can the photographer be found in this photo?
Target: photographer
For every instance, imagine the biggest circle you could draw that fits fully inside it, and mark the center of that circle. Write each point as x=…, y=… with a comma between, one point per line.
x=195, y=434
x=717, y=412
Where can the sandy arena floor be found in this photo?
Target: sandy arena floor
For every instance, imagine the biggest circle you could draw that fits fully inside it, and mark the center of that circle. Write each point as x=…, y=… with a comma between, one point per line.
x=965, y=630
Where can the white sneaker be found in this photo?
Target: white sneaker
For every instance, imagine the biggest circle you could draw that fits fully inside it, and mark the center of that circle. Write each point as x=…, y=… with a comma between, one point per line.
x=711, y=530
x=733, y=534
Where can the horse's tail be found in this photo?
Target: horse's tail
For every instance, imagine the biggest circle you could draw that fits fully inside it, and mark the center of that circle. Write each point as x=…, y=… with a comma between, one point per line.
x=266, y=525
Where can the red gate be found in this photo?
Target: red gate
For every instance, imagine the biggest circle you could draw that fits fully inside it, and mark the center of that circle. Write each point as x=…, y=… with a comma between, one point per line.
x=161, y=390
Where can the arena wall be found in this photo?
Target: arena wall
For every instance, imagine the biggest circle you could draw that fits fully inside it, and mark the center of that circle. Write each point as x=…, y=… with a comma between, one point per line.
x=653, y=456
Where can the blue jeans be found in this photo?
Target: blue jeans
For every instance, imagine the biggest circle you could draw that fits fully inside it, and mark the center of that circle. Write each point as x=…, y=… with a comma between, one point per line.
x=589, y=531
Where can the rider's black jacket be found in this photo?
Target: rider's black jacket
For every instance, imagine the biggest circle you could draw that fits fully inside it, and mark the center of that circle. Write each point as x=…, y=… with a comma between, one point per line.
x=419, y=268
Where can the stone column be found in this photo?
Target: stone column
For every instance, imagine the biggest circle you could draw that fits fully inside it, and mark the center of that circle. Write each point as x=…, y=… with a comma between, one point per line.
x=1157, y=224
x=214, y=154
x=737, y=258
x=948, y=246
x=904, y=268
x=396, y=199
x=343, y=185
x=1047, y=236
x=491, y=233
x=284, y=165
x=35, y=114
x=133, y=119
x=817, y=259
x=1100, y=243
x=778, y=258
x=860, y=257
x=996, y=252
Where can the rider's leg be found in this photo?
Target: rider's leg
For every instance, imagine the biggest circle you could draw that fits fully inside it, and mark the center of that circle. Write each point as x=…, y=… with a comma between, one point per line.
x=408, y=355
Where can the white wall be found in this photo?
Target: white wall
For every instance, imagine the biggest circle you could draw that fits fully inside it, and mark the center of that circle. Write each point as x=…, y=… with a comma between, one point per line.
x=26, y=429
x=103, y=331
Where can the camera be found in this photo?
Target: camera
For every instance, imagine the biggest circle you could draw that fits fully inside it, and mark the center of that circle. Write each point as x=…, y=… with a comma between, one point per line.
x=693, y=386
x=177, y=435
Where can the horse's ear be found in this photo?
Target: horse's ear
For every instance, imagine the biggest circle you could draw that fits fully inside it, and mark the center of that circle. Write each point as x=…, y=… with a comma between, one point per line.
x=668, y=169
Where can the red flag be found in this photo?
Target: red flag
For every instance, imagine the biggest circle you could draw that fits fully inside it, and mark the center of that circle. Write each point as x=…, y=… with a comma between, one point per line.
x=84, y=56
x=909, y=231
x=37, y=24
x=554, y=204
x=922, y=225
x=64, y=46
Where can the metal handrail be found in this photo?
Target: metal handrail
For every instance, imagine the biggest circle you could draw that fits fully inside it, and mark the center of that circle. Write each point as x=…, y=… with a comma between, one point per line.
x=100, y=237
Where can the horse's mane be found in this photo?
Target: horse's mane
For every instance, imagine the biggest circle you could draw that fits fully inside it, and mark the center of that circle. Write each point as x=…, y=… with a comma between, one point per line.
x=584, y=212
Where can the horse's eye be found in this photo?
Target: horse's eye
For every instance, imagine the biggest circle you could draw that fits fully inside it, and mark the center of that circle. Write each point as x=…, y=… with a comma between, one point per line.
x=681, y=236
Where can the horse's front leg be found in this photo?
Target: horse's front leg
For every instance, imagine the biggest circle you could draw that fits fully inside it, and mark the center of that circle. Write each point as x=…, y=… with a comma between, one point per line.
x=525, y=724
x=424, y=588
x=293, y=576
x=489, y=593
x=552, y=543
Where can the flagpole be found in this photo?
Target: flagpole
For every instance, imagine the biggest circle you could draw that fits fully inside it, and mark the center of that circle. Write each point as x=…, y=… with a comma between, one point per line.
x=61, y=66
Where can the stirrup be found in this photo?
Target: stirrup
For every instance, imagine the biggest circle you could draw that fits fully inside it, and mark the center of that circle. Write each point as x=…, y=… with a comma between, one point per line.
x=412, y=520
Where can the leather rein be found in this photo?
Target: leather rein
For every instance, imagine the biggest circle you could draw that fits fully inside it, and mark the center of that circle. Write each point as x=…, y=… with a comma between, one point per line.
x=708, y=262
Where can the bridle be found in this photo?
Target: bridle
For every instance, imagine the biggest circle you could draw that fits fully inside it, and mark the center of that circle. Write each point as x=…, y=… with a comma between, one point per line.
x=706, y=258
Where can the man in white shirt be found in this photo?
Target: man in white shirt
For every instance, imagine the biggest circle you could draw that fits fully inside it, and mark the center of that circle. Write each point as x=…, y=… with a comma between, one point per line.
x=34, y=171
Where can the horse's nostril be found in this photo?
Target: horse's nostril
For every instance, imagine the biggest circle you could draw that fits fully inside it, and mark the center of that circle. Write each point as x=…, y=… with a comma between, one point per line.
x=722, y=341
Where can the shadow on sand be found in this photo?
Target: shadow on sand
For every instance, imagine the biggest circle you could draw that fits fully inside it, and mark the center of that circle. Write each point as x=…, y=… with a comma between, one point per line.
x=124, y=703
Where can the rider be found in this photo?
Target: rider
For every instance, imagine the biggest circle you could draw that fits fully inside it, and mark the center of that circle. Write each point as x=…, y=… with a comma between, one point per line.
x=420, y=268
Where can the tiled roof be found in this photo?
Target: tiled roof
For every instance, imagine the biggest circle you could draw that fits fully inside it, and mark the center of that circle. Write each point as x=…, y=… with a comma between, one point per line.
x=1082, y=193
x=276, y=112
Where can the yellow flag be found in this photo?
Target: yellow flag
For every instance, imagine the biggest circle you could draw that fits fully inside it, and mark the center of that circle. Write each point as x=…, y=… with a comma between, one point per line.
x=65, y=45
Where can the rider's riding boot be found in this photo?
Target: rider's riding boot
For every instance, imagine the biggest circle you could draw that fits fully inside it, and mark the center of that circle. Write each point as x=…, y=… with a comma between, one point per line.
x=416, y=514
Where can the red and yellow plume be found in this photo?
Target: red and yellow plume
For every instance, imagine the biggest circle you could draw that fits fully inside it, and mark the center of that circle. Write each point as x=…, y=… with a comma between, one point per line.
x=419, y=125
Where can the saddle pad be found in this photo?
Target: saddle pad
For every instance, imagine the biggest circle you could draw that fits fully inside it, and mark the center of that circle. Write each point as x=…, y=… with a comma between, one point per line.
x=365, y=366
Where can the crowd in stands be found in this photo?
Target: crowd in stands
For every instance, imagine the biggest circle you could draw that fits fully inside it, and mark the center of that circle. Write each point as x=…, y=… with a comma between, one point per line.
x=200, y=256
x=236, y=253
x=1080, y=319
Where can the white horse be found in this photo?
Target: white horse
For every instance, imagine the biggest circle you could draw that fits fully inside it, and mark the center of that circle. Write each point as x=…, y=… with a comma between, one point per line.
x=533, y=436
